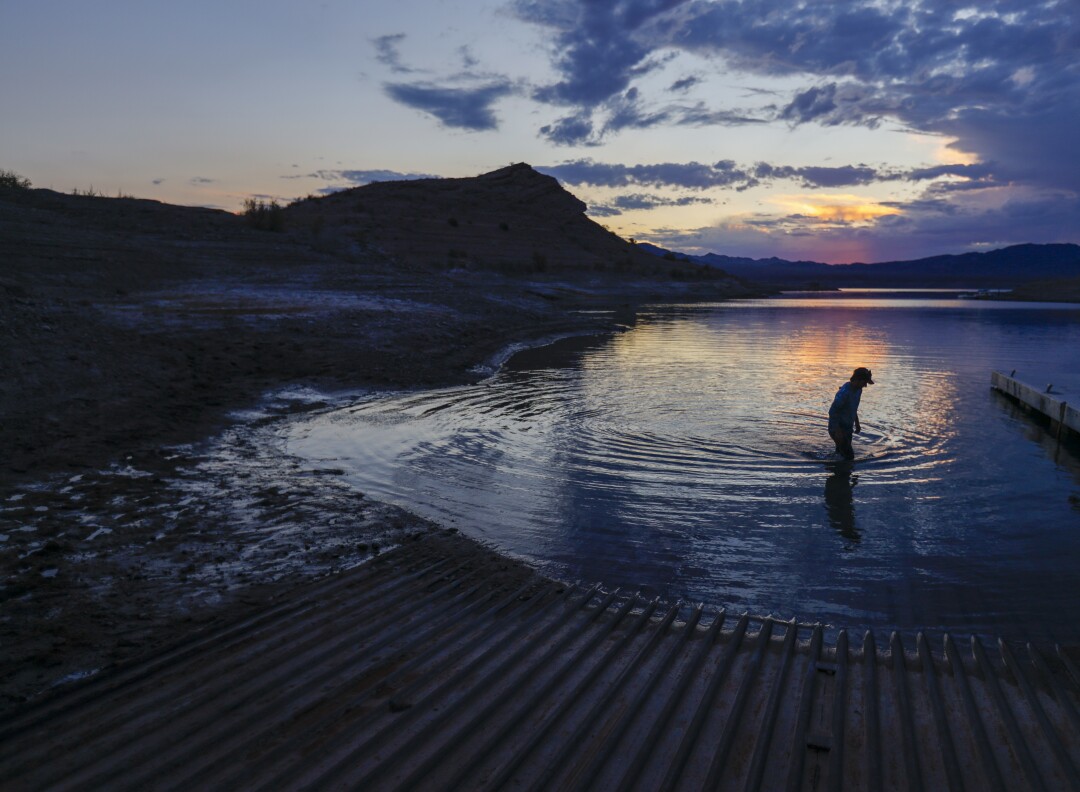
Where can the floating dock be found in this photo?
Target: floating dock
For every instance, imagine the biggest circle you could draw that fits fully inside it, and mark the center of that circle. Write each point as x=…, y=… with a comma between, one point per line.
x=1048, y=402
x=435, y=667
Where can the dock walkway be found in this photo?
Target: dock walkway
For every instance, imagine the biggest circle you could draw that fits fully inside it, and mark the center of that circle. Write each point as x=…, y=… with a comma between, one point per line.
x=1050, y=403
x=435, y=667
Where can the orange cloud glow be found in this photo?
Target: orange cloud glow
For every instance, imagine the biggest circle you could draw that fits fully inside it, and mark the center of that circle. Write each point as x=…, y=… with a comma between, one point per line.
x=835, y=208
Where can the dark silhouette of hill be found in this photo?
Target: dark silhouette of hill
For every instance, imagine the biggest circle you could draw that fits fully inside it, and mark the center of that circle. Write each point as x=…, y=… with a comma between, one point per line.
x=1003, y=268
x=513, y=221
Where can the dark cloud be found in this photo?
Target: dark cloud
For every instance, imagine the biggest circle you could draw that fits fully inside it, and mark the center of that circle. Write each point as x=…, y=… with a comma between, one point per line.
x=811, y=177
x=685, y=84
x=811, y=105
x=355, y=178
x=727, y=174
x=598, y=49
x=158, y=181
x=1037, y=147
x=573, y=130
x=925, y=206
x=632, y=201
x=462, y=108
x=699, y=115
x=467, y=59
x=594, y=50
x=944, y=189
x=844, y=176
x=201, y=180
x=833, y=104
x=626, y=110
x=462, y=101
x=693, y=175
x=388, y=54
x=975, y=172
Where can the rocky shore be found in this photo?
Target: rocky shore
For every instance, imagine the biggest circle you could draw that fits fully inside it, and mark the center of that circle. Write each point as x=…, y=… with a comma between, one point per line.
x=150, y=350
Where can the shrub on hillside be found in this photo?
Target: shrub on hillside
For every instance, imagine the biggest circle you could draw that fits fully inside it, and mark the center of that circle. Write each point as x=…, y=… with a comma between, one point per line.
x=264, y=215
x=13, y=180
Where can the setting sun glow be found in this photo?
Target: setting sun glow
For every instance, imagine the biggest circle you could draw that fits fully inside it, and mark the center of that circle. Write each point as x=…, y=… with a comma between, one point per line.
x=835, y=208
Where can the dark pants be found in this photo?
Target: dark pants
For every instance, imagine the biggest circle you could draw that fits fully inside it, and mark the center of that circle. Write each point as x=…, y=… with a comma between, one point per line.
x=842, y=438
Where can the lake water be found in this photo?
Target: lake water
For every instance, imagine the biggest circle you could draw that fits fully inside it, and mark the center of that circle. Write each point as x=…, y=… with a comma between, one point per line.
x=688, y=457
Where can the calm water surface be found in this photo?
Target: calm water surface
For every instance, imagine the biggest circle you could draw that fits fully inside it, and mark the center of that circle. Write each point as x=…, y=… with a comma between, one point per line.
x=689, y=457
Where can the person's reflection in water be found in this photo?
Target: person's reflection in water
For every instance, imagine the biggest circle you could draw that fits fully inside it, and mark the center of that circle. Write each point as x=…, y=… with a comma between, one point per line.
x=840, y=503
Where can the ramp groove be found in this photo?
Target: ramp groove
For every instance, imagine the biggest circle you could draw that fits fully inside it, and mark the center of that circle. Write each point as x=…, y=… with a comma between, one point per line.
x=436, y=667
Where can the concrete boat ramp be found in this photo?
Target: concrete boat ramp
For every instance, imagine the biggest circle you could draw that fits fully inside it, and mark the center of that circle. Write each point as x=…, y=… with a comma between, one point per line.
x=439, y=667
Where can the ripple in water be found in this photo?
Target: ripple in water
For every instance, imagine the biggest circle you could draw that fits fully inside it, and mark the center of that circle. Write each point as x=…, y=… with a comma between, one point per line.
x=689, y=457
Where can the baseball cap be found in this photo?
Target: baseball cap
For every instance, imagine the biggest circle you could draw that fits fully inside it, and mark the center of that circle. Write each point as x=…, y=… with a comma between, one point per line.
x=864, y=374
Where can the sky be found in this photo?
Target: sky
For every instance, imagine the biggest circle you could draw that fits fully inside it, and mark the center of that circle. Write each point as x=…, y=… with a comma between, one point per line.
x=866, y=130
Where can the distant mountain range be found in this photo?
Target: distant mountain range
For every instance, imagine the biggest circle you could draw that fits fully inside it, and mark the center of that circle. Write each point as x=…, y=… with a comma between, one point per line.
x=1004, y=268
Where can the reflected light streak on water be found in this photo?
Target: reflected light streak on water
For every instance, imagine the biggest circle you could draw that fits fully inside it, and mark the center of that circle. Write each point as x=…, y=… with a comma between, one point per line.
x=689, y=456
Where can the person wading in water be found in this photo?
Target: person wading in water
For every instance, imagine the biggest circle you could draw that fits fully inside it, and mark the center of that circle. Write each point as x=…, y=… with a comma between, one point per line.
x=844, y=412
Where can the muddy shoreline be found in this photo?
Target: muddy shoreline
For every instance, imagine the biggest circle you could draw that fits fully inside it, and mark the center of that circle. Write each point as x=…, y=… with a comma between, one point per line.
x=116, y=548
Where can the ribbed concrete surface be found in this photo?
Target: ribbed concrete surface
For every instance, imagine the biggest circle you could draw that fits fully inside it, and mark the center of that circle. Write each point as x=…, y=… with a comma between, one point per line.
x=439, y=668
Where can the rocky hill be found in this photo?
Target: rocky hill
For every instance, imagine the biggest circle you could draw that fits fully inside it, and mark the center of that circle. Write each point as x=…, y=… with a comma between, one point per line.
x=513, y=220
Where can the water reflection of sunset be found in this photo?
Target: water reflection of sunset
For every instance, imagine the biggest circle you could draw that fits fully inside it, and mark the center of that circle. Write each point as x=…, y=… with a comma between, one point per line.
x=764, y=379
x=845, y=345
x=749, y=386
x=792, y=352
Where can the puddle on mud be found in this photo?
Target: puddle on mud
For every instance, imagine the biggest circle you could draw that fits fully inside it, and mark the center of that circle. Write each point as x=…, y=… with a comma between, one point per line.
x=93, y=564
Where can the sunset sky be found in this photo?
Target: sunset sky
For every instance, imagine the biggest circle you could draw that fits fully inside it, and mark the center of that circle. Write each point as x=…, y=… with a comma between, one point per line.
x=833, y=131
